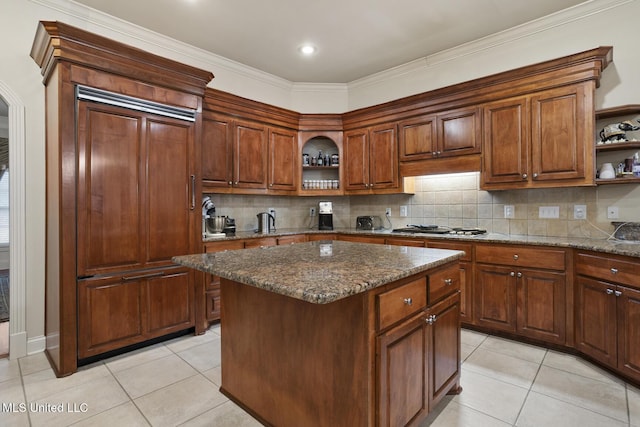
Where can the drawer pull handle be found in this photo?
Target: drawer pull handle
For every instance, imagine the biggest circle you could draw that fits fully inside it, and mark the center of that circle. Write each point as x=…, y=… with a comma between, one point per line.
x=431, y=319
x=618, y=293
x=516, y=257
x=609, y=291
x=142, y=276
x=614, y=270
x=448, y=282
x=408, y=301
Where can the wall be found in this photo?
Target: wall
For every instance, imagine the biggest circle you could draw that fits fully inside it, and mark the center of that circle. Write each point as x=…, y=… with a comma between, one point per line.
x=546, y=39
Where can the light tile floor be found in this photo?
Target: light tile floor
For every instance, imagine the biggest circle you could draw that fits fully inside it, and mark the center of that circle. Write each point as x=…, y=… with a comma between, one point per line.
x=505, y=383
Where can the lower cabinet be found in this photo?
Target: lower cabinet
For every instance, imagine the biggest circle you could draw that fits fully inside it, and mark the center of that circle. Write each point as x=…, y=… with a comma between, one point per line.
x=608, y=312
x=418, y=360
x=513, y=297
x=114, y=312
x=212, y=300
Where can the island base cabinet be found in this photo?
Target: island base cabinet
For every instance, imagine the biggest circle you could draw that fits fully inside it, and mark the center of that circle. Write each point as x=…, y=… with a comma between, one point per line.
x=115, y=312
x=418, y=363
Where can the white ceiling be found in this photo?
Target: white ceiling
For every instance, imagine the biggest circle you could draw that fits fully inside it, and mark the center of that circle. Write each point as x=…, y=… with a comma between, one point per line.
x=355, y=38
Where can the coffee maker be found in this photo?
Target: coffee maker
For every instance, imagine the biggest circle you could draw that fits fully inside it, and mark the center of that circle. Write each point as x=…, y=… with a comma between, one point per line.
x=325, y=216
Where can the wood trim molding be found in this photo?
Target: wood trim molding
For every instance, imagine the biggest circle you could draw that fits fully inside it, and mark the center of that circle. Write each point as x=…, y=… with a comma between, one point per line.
x=56, y=41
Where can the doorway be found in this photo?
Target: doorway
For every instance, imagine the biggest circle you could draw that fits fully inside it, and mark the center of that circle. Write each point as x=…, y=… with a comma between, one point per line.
x=4, y=229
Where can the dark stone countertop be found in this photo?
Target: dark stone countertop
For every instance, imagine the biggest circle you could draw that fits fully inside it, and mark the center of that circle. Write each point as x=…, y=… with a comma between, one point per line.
x=321, y=271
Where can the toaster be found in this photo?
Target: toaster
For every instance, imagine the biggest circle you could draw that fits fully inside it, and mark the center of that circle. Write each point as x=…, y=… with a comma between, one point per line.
x=368, y=223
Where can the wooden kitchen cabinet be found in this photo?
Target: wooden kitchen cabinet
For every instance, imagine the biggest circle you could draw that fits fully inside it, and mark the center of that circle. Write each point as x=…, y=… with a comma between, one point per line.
x=452, y=133
x=540, y=140
x=608, y=311
x=371, y=160
x=418, y=363
x=235, y=154
x=521, y=290
x=283, y=160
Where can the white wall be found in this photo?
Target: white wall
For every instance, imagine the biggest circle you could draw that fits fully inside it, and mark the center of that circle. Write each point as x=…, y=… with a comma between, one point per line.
x=565, y=35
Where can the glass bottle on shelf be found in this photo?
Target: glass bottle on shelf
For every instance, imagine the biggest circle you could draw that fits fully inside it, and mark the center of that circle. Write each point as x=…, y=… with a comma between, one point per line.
x=320, y=159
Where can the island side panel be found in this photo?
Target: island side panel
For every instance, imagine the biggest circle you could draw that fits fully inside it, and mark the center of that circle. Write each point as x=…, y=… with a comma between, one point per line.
x=294, y=363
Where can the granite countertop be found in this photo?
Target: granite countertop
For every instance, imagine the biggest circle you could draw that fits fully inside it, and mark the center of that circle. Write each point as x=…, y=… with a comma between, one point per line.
x=321, y=271
x=611, y=246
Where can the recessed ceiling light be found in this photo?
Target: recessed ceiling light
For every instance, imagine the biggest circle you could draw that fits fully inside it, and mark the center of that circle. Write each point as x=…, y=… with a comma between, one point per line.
x=308, y=49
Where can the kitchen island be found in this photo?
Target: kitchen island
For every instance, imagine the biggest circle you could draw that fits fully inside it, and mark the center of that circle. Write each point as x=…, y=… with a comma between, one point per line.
x=333, y=333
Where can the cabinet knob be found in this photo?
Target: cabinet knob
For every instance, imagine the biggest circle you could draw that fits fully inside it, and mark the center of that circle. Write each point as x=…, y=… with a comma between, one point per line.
x=519, y=274
x=434, y=154
x=438, y=153
x=448, y=282
x=535, y=176
x=617, y=293
x=230, y=183
x=524, y=176
x=431, y=319
x=408, y=301
x=512, y=274
x=516, y=257
x=609, y=291
x=614, y=271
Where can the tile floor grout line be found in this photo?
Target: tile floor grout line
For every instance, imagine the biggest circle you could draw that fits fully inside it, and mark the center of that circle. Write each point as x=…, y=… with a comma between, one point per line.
x=524, y=402
x=131, y=399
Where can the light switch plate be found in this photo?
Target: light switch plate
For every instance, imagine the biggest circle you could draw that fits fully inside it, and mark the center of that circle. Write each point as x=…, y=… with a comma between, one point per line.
x=403, y=211
x=509, y=211
x=580, y=212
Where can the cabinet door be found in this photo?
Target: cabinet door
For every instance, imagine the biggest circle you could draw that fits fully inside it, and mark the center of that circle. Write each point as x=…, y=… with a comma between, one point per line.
x=110, y=210
x=250, y=156
x=169, y=192
x=402, y=368
x=169, y=302
x=495, y=294
x=283, y=149
x=356, y=160
x=459, y=132
x=541, y=305
x=110, y=314
x=217, y=150
x=596, y=329
x=418, y=138
x=444, y=342
x=629, y=332
x=383, y=157
x=561, y=132
x=506, y=142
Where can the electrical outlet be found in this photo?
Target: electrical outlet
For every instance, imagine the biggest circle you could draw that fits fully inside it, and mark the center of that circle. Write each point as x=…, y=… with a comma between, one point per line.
x=509, y=211
x=612, y=212
x=272, y=211
x=579, y=212
x=549, y=212
x=387, y=212
x=312, y=211
x=404, y=211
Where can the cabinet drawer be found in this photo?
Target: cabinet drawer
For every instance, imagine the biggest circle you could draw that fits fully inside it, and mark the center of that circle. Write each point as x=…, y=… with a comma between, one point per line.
x=609, y=269
x=551, y=259
x=443, y=282
x=287, y=240
x=260, y=242
x=398, y=303
x=228, y=245
x=466, y=247
x=418, y=243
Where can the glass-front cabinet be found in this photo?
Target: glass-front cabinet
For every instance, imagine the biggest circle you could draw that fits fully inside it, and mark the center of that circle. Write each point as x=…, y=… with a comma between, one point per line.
x=321, y=160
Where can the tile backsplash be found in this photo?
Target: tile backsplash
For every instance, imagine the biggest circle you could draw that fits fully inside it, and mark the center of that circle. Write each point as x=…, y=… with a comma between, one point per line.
x=454, y=200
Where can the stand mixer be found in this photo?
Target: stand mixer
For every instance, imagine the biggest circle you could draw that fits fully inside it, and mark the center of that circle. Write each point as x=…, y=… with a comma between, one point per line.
x=212, y=225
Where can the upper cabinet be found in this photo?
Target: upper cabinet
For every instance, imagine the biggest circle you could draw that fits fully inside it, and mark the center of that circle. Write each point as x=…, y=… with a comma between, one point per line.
x=541, y=140
x=452, y=133
x=248, y=147
x=371, y=160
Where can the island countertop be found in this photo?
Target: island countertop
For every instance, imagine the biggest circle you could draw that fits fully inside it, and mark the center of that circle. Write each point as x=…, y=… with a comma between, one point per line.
x=319, y=272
